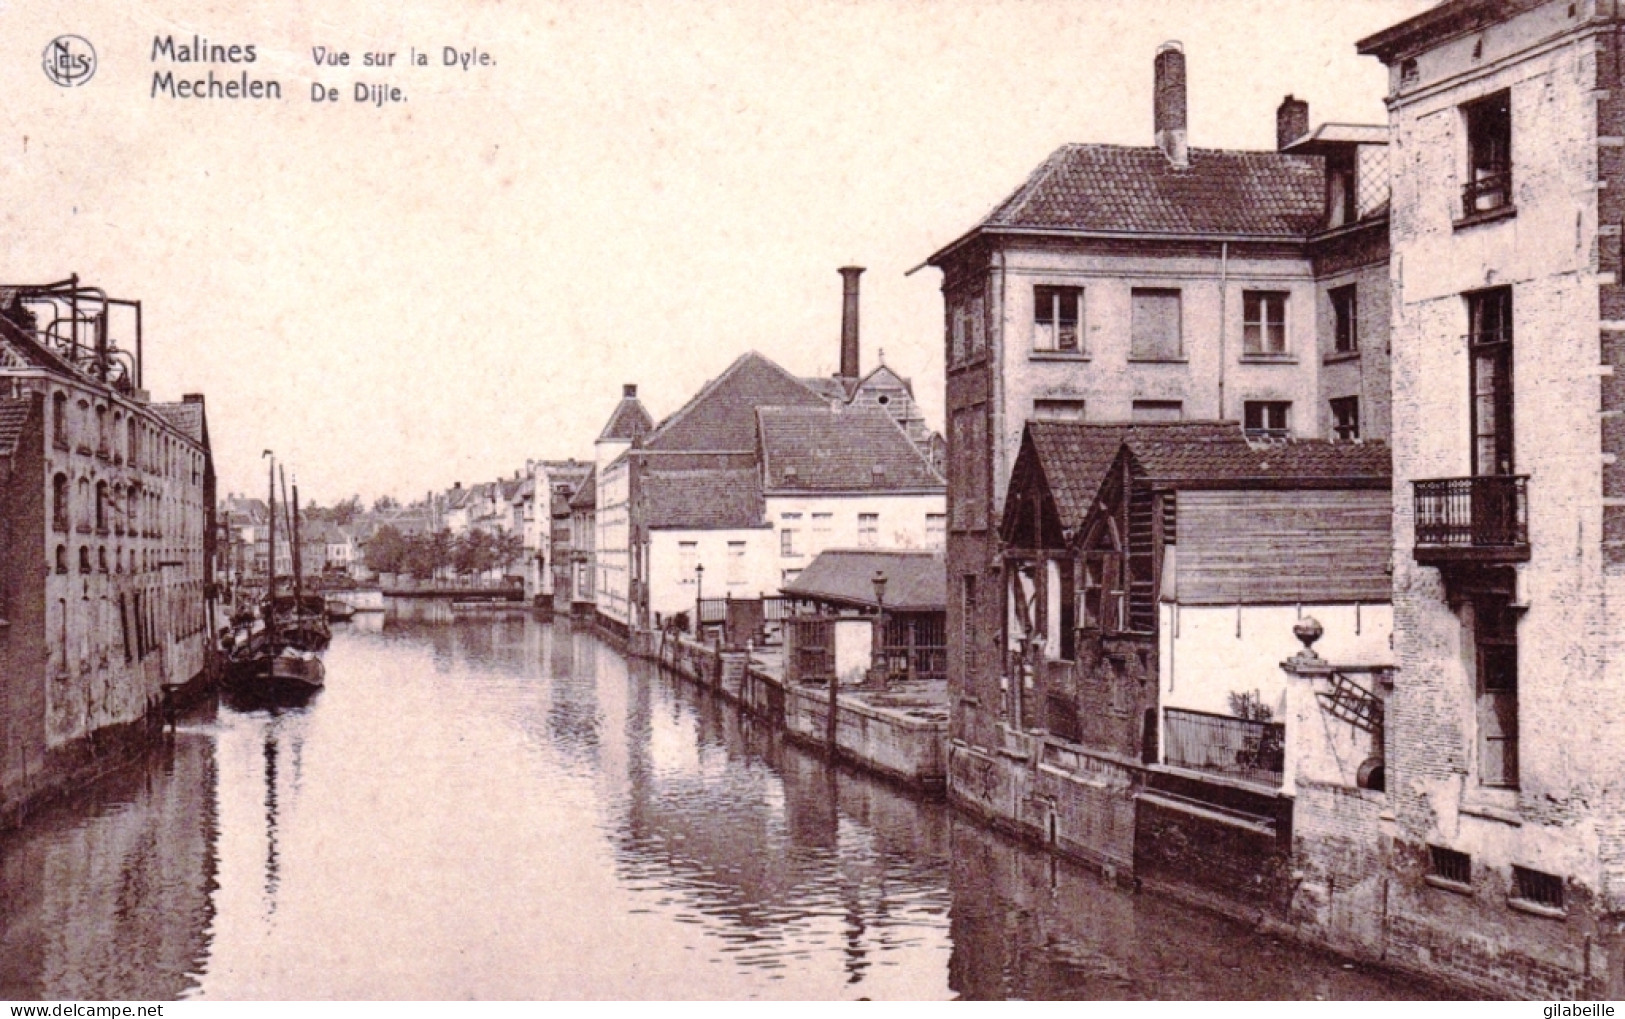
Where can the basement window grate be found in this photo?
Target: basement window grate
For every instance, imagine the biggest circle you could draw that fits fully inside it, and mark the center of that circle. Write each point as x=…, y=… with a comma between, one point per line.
x=1537, y=887
x=1451, y=865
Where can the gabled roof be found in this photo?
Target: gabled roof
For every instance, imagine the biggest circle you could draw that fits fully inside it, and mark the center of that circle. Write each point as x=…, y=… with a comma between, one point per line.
x=586, y=493
x=559, y=504
x=848, y=449
x=916, y=581
x=698, y=500
x=1074, y=457
x=831, y=387
x=1135, y=190
x=1444, y=20
x=13, y=418
x=722, y=415
x=628, y=423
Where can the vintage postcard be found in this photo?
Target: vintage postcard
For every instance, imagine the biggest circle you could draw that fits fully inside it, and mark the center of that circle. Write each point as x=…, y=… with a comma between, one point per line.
x=828, y=500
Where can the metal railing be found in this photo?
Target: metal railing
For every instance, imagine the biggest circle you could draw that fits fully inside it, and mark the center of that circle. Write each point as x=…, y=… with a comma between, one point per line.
x=1489, y=511
x=1221, y=743
x=1487, y=192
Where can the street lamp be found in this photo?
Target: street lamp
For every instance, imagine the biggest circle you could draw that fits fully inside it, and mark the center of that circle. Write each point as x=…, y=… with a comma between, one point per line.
x=699, y=595
x=879, y=582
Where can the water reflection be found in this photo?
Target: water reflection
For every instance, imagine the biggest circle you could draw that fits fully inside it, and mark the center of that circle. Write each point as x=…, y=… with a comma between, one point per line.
x=501, y=808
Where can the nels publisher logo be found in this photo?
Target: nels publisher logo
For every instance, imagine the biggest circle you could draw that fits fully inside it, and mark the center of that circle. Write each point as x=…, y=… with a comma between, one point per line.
x=70, y=60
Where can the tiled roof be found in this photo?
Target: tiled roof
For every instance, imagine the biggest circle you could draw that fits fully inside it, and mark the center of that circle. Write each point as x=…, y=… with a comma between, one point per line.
x=186, y=418
x=697, y=500
x=1075, y=457
x=722, y=415
x=586, y=494
x=13, y=418
x=830, y=387
x=915, y=581
x=629, y=422
x=1135, y=189
x=842, y=450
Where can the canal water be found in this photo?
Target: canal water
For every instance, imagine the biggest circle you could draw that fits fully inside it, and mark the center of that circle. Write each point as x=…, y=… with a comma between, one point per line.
x=502, y=808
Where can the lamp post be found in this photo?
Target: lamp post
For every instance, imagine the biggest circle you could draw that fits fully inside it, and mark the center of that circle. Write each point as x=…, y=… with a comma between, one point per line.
x=699, y=596
x=879, y=582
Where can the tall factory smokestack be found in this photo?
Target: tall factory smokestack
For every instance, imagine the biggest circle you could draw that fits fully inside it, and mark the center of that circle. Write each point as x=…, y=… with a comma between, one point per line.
x=849, y=321
x=1169, y=103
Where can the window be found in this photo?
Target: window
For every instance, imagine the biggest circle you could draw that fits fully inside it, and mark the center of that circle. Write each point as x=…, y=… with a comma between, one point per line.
x=868, y=530
x=936, y=528
x=1155, y=331
x=1346, y=417
x=1341, y=204
x=1158, y=410
x=1489, y=155
x=59, y=502
x=1264, y=321
x=787, y=542
x=1495, y=645
x=688, y=553
x=1345, y=320
x=1265, y=419
x=61, y=559
x=84, y=558
x=1537, y=887
x=103, y=447
x=1058, y=319
x=786, y=577
x=101, y=507
x=1450, y=865
x=969, y=607
x=822, y=523
x=1058, y=410
x=59, y=420
x=1489, y=342
x=968, y=468
x=736, y=562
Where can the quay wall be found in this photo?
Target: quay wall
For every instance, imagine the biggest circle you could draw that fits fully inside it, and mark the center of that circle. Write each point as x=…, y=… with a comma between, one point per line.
x=888, y=742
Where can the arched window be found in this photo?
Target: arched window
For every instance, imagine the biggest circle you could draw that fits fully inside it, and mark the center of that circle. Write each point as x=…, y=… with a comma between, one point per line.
x=62, y=559
x=59, y=502
x=102, y=444
x=132, y=511
x=118, y=560
x=59, y=420
x=118, y=436
x=101, y=559
x=84, y=558
x=84, y=503
x=132, y=443
x=84, y=426
x=101, y=507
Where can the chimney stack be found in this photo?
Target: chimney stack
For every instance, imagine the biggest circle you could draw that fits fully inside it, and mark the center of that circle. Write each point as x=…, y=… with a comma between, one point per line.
x=849, y=321
x=1291, y=121
x=629, y=391
x=1169, y=103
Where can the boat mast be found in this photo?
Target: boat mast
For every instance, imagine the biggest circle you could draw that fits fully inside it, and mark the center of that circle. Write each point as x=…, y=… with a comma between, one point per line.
x=298, y=559
x=270, y=562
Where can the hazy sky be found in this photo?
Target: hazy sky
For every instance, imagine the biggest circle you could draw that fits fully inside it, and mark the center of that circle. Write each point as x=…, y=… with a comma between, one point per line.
x=398, y=298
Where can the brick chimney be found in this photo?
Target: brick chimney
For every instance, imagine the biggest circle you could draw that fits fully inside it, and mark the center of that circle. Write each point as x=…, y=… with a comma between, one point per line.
x=1291, y=121
x=849, y=321
x=1169, y=103
x=629, y=391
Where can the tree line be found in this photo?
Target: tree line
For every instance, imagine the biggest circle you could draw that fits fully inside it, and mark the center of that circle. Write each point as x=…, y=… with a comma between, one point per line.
x=425, y=555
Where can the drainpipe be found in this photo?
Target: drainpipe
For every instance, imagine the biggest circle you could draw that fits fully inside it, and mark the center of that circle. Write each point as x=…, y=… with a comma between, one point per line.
x=1224, y=315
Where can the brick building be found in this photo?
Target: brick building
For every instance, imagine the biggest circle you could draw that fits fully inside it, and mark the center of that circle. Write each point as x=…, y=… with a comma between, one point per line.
x=1507, y=830
x=107, y=536
x=1145, y=284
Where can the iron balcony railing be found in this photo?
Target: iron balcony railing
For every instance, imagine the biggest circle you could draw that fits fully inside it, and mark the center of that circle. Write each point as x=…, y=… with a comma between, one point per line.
x=1489, y=191
x=1224, y=744
x=1488, y=513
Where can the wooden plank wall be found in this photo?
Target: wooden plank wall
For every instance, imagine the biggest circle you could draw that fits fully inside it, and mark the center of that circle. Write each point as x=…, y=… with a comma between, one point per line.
x=1313, y=546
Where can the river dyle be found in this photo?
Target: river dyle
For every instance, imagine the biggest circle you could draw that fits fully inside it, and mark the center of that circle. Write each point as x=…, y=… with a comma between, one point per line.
x=988, y=499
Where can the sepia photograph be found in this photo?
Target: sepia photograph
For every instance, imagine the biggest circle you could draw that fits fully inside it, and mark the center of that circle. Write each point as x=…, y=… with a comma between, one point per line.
x=811, y=500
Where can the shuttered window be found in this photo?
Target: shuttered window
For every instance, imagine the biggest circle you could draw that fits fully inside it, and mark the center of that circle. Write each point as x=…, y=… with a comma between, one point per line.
x=1156, y=329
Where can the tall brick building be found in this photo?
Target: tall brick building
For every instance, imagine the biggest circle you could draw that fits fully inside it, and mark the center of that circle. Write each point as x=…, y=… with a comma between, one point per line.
x=1154, y=283
x=106, y=536
x=1507, y=718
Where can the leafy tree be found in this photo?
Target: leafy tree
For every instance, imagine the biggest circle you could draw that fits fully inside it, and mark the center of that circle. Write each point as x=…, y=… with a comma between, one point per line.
x=387, y=551
x=382, y=503
x=345, y=512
